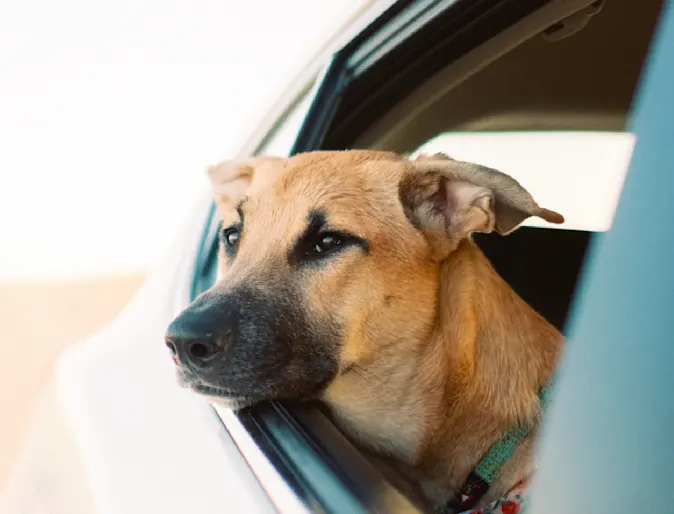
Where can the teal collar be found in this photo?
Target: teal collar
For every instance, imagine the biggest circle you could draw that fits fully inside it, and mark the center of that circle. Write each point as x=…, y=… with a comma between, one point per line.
x=490, y=466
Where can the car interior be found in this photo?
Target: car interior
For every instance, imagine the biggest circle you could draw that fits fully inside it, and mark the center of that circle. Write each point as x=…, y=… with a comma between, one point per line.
x=582, y=82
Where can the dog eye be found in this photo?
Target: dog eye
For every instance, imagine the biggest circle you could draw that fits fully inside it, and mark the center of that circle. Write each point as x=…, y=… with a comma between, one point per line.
x=231, y=236
x=320, y=243
x=325, y=243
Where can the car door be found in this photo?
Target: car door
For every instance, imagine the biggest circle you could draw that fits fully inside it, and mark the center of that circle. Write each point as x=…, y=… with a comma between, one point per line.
x=607, y=444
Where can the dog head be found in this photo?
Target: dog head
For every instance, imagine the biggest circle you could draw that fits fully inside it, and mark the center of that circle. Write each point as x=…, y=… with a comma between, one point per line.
x=329, y=260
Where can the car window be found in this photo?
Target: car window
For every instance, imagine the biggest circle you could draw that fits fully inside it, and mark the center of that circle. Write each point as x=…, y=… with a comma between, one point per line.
x=577, y=173
x=282, y=139
x=541, y=265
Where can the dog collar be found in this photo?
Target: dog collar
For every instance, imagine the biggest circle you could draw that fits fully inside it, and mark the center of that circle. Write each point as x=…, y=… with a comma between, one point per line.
x=487, y=470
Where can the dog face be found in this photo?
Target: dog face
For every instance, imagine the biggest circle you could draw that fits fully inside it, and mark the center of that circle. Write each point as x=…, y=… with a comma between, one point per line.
x=328, y=261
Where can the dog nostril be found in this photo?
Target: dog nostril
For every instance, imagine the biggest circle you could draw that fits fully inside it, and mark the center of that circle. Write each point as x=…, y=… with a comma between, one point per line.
x=172, y=348
x=199, y=350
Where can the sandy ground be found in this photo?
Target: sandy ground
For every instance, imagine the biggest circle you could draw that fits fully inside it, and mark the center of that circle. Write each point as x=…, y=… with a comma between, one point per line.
x=38, y=320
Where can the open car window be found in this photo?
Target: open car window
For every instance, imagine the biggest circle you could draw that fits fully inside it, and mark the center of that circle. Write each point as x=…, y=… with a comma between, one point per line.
x=405, y=84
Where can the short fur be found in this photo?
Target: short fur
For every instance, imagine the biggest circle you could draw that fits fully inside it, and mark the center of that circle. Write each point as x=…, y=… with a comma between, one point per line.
x=422, y=353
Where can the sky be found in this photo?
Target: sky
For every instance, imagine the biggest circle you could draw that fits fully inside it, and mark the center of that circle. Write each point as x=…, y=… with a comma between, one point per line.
x=111, y=110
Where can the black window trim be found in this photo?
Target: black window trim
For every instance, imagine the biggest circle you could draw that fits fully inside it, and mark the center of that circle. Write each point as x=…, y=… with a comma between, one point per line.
x=320, y=466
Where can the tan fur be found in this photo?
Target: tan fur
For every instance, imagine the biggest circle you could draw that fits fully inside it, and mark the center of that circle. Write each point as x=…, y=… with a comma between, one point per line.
x=441, y=356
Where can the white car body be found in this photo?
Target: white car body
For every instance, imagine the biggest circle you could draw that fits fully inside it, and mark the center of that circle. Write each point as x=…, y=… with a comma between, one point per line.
x=114, y=432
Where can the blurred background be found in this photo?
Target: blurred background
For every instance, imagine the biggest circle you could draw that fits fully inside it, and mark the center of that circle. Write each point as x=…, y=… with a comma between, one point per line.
x=110, y=111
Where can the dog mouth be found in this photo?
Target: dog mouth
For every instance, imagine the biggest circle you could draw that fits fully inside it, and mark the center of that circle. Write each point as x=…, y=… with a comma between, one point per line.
x=237, y=399
x=208, y=390
x=223, y=397
x=216, y=394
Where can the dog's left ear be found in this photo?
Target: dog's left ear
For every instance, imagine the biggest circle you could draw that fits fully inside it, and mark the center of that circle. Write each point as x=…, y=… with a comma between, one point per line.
x=231, y=180
x=448, y=200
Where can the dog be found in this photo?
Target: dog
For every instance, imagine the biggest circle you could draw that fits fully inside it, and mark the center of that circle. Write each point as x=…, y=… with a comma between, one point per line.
x=351, y=277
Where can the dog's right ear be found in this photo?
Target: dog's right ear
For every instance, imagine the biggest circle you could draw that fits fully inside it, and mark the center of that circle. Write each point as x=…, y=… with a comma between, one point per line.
x=447, y=200
x=231, y=179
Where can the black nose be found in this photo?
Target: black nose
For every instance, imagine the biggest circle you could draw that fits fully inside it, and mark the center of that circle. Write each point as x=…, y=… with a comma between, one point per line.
x=194, y=352
x=195, y=337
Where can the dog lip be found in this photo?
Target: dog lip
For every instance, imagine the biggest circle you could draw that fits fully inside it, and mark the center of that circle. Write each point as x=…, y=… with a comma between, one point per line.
x=217, y=392
x=224, y=397
x=211, y=390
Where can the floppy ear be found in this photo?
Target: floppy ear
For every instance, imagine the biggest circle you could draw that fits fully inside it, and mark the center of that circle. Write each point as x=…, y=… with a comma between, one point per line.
x=232, y=179
x=448, y=200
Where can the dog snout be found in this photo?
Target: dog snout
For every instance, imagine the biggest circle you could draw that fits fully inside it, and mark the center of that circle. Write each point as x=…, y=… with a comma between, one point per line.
x=201, y=334
x=191, y=352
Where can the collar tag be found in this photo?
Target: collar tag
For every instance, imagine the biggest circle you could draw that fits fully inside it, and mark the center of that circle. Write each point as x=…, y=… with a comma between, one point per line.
x=471, y=492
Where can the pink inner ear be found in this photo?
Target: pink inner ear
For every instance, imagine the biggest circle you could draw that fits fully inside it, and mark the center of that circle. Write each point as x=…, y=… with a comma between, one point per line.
x=459, y=196
x=464, y=193
x=438, y=199
x=443, y=203
x=466, y=207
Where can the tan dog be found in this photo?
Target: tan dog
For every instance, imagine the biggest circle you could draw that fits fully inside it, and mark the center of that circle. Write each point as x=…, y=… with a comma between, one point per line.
x=351, y=277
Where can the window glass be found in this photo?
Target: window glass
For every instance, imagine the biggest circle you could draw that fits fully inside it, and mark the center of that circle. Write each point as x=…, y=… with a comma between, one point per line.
x=579, y=174
x=282, y=140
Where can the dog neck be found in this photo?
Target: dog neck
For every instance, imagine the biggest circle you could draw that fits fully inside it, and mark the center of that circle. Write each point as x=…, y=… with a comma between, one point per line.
x=485, y=364
x=448, y=400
